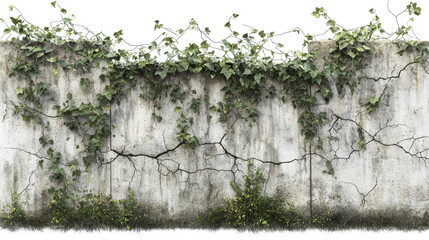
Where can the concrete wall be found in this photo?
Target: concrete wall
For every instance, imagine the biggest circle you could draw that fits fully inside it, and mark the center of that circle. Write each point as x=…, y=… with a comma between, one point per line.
x=388, y=176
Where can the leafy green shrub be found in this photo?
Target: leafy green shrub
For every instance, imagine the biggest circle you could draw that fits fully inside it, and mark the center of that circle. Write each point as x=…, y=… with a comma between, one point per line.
x=250, y=208
x=13, y=213
x=97, y=210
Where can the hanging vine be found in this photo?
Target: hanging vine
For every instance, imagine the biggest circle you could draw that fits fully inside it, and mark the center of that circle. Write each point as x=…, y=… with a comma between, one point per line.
x=243, y=61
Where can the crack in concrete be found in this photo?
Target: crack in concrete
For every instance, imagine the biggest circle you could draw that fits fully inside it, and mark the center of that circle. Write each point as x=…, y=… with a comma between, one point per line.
x=364, y=195
x=34, y=170
x=399, y=73
x=165, y=170
x=419, y=154
x=28, y=152
x=235, y=167
x=29, y=181
x=36, y=154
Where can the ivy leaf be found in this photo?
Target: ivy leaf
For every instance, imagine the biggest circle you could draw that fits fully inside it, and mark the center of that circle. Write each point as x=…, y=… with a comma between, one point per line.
x=241, y=81
x=54, y=71
x=313, y=74
x=318, y=80
x=209, y=66
x=63, y=11
x=92, y=118
x=84, y=82
x=351, y=54
x=258, y=78
x=10, y=8
x=48, y=49
x=19, y=90
x=306, y=67
x=330, y=168
x=42, y=141
x=228, y=25
x=343, y=45
x=207, y=30
x=331, y=23
x=162, y=73
x=51, y=59
x=226, y=71
x=36, y=49
x=14, y=21
x=53, y=3
x=320, y=144
x=373, y=100
x=247, y=71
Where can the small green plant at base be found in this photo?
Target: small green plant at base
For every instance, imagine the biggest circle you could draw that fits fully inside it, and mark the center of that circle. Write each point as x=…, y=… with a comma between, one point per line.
x=97, y=210
x=13, y=213
x=250, y=208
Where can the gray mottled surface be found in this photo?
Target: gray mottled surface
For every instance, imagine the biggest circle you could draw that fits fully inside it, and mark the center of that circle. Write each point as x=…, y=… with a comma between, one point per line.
x=176, y=182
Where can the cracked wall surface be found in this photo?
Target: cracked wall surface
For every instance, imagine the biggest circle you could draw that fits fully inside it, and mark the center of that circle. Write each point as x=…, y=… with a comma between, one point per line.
x=378, y=158
x=179, y=181
x=24, y=162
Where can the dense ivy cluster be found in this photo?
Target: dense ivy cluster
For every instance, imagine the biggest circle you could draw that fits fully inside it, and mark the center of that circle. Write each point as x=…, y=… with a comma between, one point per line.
x=243, y=62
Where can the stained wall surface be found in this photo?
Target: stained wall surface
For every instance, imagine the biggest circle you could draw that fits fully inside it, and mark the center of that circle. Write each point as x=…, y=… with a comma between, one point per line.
x=378, y=158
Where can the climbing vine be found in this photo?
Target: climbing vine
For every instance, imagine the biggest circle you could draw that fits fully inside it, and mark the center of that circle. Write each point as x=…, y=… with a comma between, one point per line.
x=249, y=69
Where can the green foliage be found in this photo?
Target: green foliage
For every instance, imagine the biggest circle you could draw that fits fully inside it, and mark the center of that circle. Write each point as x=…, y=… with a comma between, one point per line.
x=84, y=83
x=372, y=104
x=245, y=65
x=183, y=136
x=97, y=211
x=330, y=170
x=249, y=208
x=311, y=123
x=413, y=46
x=13, y=213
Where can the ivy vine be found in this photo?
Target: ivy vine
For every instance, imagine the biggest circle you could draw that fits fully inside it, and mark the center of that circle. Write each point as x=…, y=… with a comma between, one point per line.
x=243, y=61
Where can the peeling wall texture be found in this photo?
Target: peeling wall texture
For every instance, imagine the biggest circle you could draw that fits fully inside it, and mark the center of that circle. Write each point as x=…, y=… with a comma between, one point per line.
x=379, y=158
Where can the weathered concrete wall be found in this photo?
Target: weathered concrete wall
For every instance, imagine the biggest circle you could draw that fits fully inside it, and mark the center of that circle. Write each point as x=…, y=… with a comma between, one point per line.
x=389, y=175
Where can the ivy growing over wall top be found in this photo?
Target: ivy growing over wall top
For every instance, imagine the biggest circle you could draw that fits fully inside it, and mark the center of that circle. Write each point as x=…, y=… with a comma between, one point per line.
x=248, y=63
